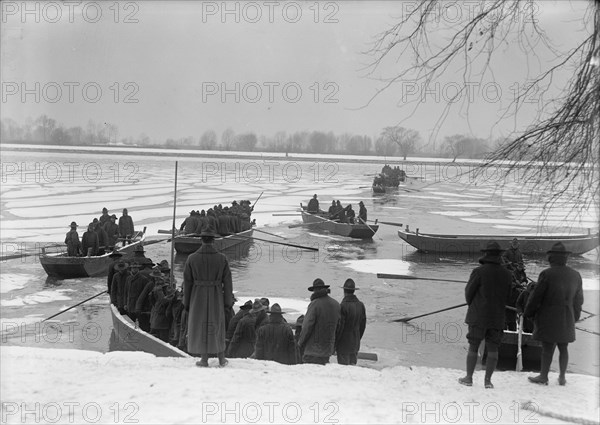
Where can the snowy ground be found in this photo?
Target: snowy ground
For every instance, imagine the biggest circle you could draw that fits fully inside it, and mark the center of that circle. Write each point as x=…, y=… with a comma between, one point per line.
x=77, y=386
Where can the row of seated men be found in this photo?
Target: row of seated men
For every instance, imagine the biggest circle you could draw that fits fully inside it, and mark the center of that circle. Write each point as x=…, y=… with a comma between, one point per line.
x=221, y=220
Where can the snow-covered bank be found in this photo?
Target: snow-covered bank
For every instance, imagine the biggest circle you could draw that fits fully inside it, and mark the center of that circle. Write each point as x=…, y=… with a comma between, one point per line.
x=75, y=386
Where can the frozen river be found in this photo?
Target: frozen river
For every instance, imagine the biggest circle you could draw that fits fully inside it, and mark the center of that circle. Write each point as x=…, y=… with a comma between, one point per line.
x=42, y=192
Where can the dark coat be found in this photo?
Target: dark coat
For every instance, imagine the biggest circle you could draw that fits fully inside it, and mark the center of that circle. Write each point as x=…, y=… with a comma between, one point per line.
x=190, y=224
x=143, y=303
x=513, y=256
x=117, y=289
x=353, y=321
x=73, y=243
x=90, y=240
x=134, y=286
x=233, y=323
x=244, y=338
x=174, y=310
x=207, y=289
x=275, y=341
x=126, y=226
x=313, y=206
x=555, y=304
x=112, y=230
x=487, y=293
x=319, y=326
x=158, y=315
x=362, y=213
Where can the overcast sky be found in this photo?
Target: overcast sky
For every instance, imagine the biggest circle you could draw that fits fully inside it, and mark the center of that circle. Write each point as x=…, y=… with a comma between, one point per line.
x=175, y=58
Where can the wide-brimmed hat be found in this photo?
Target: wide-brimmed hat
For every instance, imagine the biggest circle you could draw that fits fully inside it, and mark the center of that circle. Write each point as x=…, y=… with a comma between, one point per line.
x=276, y=309
x=558, y=248
x=257, y=306
x=350, y=285
x=360, y=203
x=247, y=305
x=73, y=224
x=139, y=248
x=156, y=273
x=113, y=216
x=492, y=246
x=265, y=302
x=318, y=284
x=164, y=266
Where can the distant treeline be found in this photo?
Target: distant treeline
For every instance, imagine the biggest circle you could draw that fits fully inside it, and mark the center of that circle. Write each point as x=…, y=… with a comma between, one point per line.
x=392, y=141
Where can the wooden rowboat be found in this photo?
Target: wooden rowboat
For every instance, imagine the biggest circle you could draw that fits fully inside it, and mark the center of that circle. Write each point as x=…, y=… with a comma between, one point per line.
x=62, y=266
x=473, y=244
x=189, y=244
x=135, y=339
x=320, y=221
x=132, y=338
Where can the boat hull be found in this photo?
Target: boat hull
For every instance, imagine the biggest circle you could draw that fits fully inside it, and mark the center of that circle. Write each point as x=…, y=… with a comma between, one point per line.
x=135, y=339
x=356, y=231
x=473, y=244
x=64, y=267
x=189, y=244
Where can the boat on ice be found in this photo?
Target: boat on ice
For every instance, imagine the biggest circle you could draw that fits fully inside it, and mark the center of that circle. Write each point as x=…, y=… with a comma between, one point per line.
x=473, y=244
x=187, y=244
x=322, y=222
x=62, y=266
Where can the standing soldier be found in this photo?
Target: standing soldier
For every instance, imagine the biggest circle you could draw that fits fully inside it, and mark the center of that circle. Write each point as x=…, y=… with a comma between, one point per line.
x=89, y=241
x=126, y=229
x=115, y=256
x=317, y=339
x=353, y=321
x=104, y=218
x=117, y=288
x=244, y=338
x=72, y=241
x=486, y=294
x=190, y=224
x=208, y=290
x=135, y=284
x=313, y=205
x=112, y=231
x=555, y=304
x=275, y=340
x=362, y=213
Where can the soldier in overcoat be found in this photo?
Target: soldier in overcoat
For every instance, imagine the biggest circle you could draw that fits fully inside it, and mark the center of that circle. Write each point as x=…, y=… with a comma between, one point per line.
x=208, y=290
x=555, y=304
x=353, y=321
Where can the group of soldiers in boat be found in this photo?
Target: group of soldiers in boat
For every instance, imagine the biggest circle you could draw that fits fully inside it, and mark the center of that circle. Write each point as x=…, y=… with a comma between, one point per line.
x=145, y=293
x=220, y=220
x=391, y=177
x=337, y=212
x=102, y=235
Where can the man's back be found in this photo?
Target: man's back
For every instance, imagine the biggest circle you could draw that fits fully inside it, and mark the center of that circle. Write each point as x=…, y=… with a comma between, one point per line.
x=486, y=293
x=319, y=326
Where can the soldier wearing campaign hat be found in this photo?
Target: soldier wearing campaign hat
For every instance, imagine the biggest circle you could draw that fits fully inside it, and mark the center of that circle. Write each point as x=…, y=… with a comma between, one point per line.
x=486, y=293
x=555, y=305
x=353, y=321
x=72, y=241
x=275, y=340
x=317, y=338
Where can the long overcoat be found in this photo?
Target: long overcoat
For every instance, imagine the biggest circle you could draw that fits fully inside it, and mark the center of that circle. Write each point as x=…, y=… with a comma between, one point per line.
x=319, y=326
x=353, y=321
x=555, y=304
x=487, y=293
x=126, y=226
x=244, y=337
x=207, y=288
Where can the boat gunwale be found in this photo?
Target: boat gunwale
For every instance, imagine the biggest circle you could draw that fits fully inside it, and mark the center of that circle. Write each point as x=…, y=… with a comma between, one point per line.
x=60, y=255
x=500, y=237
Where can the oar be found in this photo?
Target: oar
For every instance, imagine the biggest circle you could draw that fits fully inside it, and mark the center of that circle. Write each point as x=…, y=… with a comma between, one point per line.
x=587, y=330
x=406, y=319
x=285, y=214
x=278, y=243
x=73, y=306
x=519, y=366
x=255, y=202
x=267, y=233
x=156, y=241
x=390, y=223
x=402, y=276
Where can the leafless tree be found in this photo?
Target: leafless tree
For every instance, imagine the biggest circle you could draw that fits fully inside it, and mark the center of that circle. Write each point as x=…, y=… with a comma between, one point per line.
x=405, y=138
x=558, y=152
